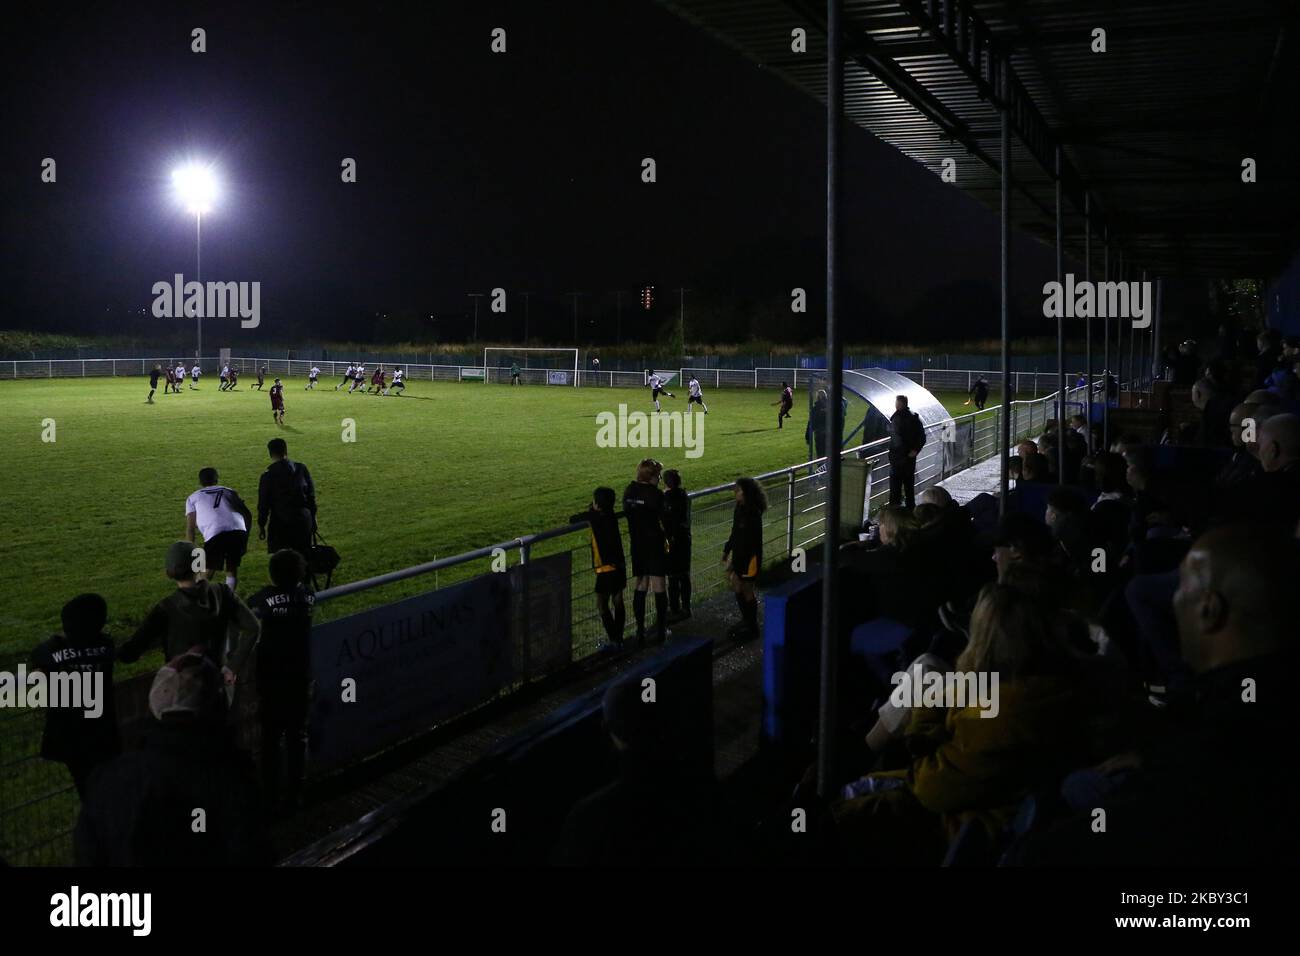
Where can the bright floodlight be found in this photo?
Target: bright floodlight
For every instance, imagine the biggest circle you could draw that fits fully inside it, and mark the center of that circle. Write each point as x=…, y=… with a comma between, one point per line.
x=196, y=187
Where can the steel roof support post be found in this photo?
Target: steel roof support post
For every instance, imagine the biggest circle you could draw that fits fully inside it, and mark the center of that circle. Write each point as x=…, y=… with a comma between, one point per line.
x=1105, y=362
x=1060, y=332
x=1156, y=362
x=826, y=722
x=1004, y=435
x=1087, y=275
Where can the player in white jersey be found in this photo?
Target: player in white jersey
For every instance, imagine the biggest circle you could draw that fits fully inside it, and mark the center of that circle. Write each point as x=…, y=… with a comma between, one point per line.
x=225, y=378
x=311, y=378
x=358, y=379
x=195, y=372
x=397, y=383
x=656, y=383
x=180, y=377
x=696, y=397
x=221, y=516
x=347, y=377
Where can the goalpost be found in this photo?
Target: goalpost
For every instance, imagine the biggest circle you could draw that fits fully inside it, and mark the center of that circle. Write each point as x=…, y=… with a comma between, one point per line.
x=537, y=366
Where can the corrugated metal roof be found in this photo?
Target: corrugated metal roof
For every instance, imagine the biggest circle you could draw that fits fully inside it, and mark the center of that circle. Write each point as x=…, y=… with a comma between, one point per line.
x=1155, y=128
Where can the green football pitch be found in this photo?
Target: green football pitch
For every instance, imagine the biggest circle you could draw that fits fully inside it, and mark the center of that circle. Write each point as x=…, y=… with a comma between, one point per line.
x=446, y=468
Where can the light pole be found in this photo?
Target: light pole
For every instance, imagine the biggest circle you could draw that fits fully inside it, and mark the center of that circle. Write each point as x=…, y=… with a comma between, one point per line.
x=576, y=296
x=196, y=187
x=681, y=318
x=475, y=296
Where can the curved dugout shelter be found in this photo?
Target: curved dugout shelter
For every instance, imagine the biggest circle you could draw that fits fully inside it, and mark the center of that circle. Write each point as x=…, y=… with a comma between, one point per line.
x=868, y=403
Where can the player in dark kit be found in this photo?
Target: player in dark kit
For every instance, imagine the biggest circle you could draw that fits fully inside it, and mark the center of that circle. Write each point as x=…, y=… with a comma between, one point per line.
x=677, y=530
x=786, y=401
x=607, y=561
x=261, y=378
x=643, y=506
x=979, y=393
x=743, y=554
x=153, y=383
x=277, y=402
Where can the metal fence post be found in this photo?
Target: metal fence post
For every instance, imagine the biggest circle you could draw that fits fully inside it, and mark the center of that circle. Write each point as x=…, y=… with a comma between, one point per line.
x=525, y=548
x=789, y=512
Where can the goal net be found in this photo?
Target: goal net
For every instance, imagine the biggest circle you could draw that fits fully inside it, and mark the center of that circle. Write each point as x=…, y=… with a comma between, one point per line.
x=536, y=366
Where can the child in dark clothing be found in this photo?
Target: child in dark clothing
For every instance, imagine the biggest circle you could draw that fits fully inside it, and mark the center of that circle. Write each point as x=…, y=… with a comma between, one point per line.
x=284, y=674
x=80, y=738
x=607, y=561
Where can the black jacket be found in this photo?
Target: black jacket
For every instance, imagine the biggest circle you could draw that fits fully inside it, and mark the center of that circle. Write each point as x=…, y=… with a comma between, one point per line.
x=606, y=542
x=70, y=735
x=286, y=494
x=906, y=433
x=284, y=646
x=745, y=544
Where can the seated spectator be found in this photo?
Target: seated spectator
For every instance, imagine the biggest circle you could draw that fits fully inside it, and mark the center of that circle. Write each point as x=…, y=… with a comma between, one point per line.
x=1126, y=441
x=74, y=737
x=1271, y=497
x=1067, y=519
x=1035, y=468
x=1026, y=448
x=1228, y=728
x=1051, y=704
x=659, y=811
x=1112, y=511
x=895, y=573
x=187, y=798
x=284, y=676
x=198, y=613
x=1243, y=465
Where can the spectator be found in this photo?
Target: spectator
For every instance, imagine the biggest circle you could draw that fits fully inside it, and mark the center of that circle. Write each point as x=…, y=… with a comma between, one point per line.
x=187, y=797
x=284, y=676
x=659, y=811
x=607, y=561
x=906, y=439
x=1067, y=519
x=1243, y=465
x=72, y=736
x=1020, y=539
x=1026, y=448
x=286, y=499
x=743, y=554
x=1236, y=629
x=197, y=614
x=1269, y=355
x=677, y=530
x=1035, y=468
x=643, y=506
x=964, y=767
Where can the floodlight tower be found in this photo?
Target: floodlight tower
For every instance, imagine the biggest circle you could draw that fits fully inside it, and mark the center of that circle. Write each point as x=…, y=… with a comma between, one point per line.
x=196, y=187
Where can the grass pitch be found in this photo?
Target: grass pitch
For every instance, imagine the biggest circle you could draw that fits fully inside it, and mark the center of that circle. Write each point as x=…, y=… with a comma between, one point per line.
x=446, y=468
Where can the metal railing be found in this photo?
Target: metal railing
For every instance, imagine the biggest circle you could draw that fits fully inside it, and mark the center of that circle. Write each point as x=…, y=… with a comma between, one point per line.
x=38, y=804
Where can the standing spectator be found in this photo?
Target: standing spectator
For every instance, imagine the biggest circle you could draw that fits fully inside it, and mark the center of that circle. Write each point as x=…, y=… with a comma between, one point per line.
x=745, y=549
x=141, y=807
x=286, y=499
x=284, y=675
x=906, y=439
x=223, y=519
x=198, y=614
x=677, y=529
x=643, y=506
x=73, y=737
x=607, y=561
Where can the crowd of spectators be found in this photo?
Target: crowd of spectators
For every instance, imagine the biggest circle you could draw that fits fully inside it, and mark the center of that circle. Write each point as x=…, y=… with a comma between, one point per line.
x=1139, y=619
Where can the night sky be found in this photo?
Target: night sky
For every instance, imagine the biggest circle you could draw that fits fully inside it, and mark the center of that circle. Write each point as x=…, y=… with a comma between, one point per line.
x=475, y=170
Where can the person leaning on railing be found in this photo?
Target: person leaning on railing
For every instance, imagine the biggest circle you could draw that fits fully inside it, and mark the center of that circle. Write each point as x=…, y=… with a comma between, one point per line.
x=744, y=547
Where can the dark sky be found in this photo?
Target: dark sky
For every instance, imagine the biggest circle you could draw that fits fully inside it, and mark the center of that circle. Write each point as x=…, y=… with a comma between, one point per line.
x=475, y=170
